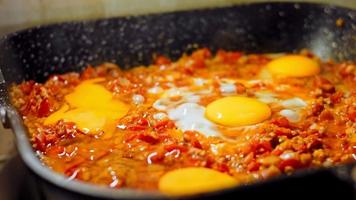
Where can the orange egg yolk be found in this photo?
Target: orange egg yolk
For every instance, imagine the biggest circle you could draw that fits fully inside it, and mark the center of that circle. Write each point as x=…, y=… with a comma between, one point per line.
x=91, y=107
x=193, y=180
x=293, y=66
x=237, y=111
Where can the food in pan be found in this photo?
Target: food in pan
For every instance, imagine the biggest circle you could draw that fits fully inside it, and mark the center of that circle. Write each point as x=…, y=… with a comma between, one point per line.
x=198, y=124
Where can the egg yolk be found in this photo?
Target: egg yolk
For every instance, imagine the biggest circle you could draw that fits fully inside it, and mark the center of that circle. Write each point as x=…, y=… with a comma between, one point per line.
x=237, y=111
x=91, y=107
x=293, y=66
x=193, y=180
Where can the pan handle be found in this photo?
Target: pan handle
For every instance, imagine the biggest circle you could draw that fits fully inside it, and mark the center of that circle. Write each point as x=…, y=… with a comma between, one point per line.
x=3, y=102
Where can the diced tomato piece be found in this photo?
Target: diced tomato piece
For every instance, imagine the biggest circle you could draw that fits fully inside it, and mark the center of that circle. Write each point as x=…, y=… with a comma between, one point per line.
x=39, y=142
x=317, y=108
x=240, y=88
x=143, y=122
x=171, y=147
x=347, y=70
x=193, y=139
x=88, y=73
x=281, y=122
x=188, y=70
x=52, y=138
x=292, y=162
x=253, y=166
x=326, y=115
x=163, y=125
x=162, y=60
x=26, y=87
x=223, y=167
x=197, y=63
x=195, y=143
x=277, y=152
x=261, y=147
x=324, y=84
x=336, y=97
x=300, y=147
x=45, y=108
x=129, y=137
x=201, y=54
x=155, y=157
x=209, y=161
x=280, y=131
x=139, y=125
x=315, y=143
x=149, y=138
x=55, y=150
x=229, y=57
x=73, y=168
x=26, y=108
x=352, y=114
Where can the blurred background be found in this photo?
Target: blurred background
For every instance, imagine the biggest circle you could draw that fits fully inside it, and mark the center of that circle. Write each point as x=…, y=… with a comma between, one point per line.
x=20, y=14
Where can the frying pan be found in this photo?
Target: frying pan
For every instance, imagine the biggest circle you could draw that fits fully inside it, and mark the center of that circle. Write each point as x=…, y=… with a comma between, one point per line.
x=130, y=41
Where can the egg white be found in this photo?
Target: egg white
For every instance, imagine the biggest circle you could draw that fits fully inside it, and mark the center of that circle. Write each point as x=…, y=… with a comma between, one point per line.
x=189, y=115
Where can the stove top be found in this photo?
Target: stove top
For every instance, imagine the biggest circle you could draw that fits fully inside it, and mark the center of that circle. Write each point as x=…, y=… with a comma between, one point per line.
x=17, y=183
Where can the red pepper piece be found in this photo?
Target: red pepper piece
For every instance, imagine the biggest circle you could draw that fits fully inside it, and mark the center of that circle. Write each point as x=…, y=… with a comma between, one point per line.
x=45, y=108
x=149, y=138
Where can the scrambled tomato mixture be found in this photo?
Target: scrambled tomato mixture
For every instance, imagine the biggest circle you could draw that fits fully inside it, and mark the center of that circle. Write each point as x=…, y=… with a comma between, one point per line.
x=311, y=121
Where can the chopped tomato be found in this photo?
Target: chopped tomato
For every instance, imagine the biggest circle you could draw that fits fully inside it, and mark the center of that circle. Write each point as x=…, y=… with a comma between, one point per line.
x=229, y=57
x=281, y=122
x=162, y=60
x=45, y=108
x=253, y=166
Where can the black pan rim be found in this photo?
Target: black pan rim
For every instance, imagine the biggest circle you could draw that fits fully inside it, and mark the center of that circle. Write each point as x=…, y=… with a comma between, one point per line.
x=83, y=22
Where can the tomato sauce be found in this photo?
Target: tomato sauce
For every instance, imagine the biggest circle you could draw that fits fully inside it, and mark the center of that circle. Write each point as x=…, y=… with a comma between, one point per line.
x=144, y=146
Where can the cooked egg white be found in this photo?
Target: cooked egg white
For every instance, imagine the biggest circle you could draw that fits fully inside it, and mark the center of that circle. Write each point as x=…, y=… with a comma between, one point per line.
x=266, y=97
x=227, y=88
x=160, y=116
x=231, y=113
x=293, y=109
x=199, y=81
x=165, y=102
x=291, y=115
x=295, y=102
x=155, y=90
x=190, y=117
x=187, y=114
x=138, y=99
